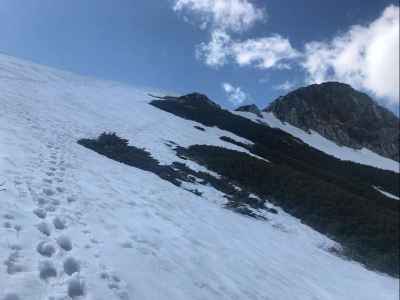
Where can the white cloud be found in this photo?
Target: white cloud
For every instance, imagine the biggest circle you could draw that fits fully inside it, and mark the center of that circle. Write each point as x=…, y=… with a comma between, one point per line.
x=263, y=53
x=367, y=57
x=215, y=52
x=231, y=15
x=227, y=16
x=235, y=94
x=286, y=86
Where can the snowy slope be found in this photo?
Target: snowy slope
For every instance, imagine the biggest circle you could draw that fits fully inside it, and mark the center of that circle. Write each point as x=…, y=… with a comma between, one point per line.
x=387, y=194
x=314, y=139
x=73, y=220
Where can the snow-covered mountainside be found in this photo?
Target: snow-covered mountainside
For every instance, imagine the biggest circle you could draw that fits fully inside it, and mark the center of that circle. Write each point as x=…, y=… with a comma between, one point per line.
x=314, y=139
x=77, y=225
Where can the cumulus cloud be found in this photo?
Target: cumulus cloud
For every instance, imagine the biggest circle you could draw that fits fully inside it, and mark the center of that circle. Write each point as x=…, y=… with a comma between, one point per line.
x=366, y=57
x=215, y=53
x=235, y=94
x=286, y=86
x=229, y=15
x=263, y=53
x=226, y=17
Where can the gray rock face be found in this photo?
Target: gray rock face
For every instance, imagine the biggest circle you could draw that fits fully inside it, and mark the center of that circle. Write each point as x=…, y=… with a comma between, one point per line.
x=195, y=99
x=250, y=108
x=199, y=99
x=341, y=114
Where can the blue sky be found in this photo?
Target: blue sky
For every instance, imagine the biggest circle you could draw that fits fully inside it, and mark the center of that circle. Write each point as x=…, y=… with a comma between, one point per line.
x=235, y=51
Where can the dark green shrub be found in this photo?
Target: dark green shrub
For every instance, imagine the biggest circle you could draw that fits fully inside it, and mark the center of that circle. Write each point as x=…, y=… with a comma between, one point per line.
x=366, y=226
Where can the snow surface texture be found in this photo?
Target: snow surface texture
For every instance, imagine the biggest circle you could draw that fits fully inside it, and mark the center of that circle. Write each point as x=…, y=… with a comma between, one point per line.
x=314, y=139
x=76, y=225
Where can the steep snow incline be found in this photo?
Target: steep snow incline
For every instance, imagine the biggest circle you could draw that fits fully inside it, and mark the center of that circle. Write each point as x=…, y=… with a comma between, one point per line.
x=314, y=139
x=389, y=195
x=75, y=224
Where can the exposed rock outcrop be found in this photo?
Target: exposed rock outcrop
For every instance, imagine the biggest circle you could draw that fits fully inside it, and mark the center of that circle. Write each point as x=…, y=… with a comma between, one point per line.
x=195, y=99
x=252, y=108
x=341, y=114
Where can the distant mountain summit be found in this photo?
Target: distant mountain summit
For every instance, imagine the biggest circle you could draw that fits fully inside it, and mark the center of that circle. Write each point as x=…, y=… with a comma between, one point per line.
x=252, y=108
x=341, y=114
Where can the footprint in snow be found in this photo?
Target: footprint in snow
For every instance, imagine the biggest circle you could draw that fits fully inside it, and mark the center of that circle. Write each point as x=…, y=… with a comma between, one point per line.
x=71, y=266
x=59, y=223
x=126, y=245
x=8, y=217
x=44, y=228
x=64, y=242
x=71, y=199
x=11, y=296
x=17, y=228
x=15, y=247
x=48, y=192
x=46, y=180
x=50, y=208
x=45, y=249
x=55, y=202
x=12, y=263
x=94, y=241
x=47, y=270
x=76, y=287
x=7, y=225
x=41, y=201
x=115, y=284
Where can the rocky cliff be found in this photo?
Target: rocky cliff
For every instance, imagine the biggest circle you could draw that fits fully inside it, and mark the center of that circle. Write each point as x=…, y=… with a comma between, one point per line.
x=252, y=108
x=341, y=114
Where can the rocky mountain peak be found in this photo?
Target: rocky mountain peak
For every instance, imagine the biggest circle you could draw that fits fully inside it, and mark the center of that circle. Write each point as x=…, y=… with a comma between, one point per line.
x=198, y=99
x=252, y=108
x=192, y=99
x=342, y=114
